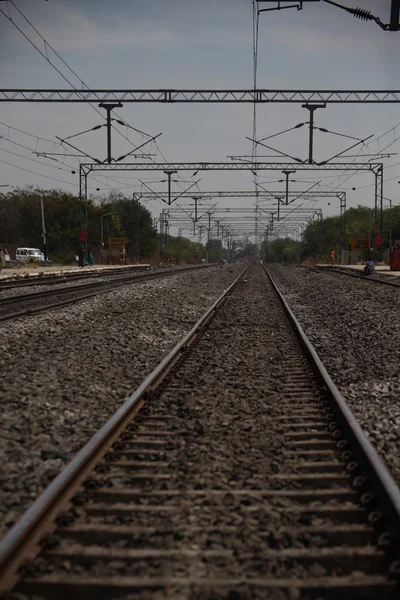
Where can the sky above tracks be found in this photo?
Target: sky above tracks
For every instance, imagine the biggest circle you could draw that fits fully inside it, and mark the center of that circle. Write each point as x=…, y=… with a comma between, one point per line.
x=193, y=44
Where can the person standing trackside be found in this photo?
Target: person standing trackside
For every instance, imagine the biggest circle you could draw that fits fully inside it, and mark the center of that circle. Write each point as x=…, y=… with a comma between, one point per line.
x=90, y=260
x=2, y=261
x=332, y=255
x=81, y=254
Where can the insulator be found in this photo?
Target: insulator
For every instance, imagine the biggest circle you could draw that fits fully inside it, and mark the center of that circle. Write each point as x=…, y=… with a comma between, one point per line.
x=362, y=13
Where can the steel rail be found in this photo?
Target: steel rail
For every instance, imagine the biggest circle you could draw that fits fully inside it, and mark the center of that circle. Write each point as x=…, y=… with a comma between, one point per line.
x=50, y=279
x=386, y=489
x=101, y=288
x=361, y=277
x=27, y=530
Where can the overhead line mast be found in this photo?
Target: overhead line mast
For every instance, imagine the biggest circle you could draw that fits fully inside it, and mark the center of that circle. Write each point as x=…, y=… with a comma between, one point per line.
x=359, y=13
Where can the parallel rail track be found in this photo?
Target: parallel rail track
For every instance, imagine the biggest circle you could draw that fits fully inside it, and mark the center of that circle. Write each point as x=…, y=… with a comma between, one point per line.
x=120, y=520
x=66, y=277
x=367, y=278
x=12, y=307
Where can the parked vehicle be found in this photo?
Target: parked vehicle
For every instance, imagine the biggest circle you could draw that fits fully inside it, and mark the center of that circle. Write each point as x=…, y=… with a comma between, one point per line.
x=29, y=255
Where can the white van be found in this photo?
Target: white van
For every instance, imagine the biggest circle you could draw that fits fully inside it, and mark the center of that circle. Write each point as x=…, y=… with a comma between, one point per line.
x=29, y=255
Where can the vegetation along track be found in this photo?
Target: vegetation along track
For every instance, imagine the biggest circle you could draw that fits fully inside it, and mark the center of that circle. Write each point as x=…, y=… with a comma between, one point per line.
x=13, y=306
x=235, y=471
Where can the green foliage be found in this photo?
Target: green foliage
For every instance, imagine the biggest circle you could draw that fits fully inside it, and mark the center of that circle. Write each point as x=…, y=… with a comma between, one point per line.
x=215, y=252
x=319, y=238
x=20, y=225
x=283, y=250
x=182, y=249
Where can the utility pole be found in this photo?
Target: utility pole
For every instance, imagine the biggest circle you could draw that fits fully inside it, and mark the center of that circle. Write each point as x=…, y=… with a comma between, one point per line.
x=102, y=230
x=196, y=199
x=394, y=16
x=312, y=108
x=43, y=229
x=287, y=174
x=109, y=108
x=208, y=233
x=166, y=226
x=161, y=235
x=169, y=173
x=136, y=213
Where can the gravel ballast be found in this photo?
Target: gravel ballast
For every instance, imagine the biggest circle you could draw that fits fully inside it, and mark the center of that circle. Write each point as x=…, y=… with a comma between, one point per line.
x=228, y=483
x=214, y=453
x=355, y=328
x=65, y=372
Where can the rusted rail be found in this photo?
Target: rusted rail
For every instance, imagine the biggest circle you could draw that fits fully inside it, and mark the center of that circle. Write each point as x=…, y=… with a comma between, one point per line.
x=123, y=518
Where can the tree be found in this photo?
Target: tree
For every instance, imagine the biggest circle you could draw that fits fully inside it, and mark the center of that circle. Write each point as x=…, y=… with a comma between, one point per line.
x=20, y=224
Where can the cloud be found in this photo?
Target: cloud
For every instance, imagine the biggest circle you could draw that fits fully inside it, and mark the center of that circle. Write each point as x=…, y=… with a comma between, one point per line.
x=72, y=30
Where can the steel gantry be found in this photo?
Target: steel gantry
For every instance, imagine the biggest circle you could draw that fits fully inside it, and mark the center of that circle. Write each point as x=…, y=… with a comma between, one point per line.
x=241, y=220
x=230, y=166
x=309, y=98
x=170, y=96
x=270, y=194
x=376, y=168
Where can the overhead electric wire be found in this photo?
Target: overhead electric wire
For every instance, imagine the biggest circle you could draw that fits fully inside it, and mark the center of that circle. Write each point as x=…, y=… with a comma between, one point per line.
x=275, y=150
x=36, y=173
x=61, y=74
x=7, y=139
x=34, y=152
x=324, y=162
x=48, y=45
x=256, y=21
x=34, y=160
x=286, y=131
x=26, y=133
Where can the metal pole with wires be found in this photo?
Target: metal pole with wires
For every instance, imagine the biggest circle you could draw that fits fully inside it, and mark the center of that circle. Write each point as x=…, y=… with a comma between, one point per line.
x=312, y=108
x=43, y=228
x=109, y=108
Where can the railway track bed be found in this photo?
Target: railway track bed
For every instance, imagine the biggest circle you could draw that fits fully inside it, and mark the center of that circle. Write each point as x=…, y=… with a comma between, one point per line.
x=14, y=306
x=22, y=281
x=235, y=471
x=377, y=277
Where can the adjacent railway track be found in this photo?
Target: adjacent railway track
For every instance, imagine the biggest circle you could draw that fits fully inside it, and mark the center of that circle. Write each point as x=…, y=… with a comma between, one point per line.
x=12, y=307
x=236, y=470
x=377, y=278
x=48, y=279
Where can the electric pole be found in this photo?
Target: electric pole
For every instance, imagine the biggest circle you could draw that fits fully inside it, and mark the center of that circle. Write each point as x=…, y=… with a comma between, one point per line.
x=109, y=108
x=43, y=229
x=394, y=16
x=169, y=174
x=287, y=174
x=312, y=108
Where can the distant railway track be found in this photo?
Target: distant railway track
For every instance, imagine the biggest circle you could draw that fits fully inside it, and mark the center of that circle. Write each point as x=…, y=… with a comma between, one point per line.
x=134, y=513
x=66, y=277
x=377, y=278
x=12, y=307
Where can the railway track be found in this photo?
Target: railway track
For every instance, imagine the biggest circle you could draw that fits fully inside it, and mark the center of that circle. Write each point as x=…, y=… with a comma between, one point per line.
x=235, y=471
x=377, y=278
x=12, y=307
x=48, y=279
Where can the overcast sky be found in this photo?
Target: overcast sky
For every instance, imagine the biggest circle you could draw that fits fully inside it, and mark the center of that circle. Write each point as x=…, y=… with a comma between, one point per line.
x=196, y=44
